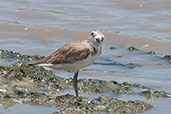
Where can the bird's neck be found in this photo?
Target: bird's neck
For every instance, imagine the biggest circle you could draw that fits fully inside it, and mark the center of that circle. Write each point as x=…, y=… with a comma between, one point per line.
x=96, y=46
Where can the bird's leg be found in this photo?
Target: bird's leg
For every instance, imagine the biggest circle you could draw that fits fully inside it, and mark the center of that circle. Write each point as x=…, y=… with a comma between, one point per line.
x=75, y=83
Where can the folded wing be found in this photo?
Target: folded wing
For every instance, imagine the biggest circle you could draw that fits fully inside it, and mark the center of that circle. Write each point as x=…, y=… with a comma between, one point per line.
x=69, y=53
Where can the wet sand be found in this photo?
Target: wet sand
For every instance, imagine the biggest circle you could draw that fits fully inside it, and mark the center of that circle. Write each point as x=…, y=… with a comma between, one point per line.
x=112, y=38
x=40, y=27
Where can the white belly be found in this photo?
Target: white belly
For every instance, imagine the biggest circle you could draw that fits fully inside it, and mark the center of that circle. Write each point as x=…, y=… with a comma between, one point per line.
x=73, y=66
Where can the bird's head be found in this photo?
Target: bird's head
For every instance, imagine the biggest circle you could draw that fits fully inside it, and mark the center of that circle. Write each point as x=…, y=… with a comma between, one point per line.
x=96, y=38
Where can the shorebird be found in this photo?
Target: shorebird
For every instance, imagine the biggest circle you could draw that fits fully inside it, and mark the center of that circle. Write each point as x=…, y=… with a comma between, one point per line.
x=74, y=56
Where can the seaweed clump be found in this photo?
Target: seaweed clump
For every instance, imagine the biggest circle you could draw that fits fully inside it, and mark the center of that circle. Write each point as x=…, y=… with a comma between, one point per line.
x=22, y=81
x=99, y=105
x=17, y=56
x=132, y=48
x=36, y=85
x=151, y=94
x=168, y=58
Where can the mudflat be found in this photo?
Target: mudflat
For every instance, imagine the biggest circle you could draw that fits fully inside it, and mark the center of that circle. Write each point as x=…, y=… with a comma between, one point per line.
x=136, y=48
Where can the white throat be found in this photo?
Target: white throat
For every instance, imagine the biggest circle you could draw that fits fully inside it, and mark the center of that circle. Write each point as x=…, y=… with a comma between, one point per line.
x=97, y=47
x=91, y=42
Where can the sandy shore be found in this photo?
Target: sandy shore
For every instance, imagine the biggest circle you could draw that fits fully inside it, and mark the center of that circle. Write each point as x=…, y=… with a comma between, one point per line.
x=112, y=38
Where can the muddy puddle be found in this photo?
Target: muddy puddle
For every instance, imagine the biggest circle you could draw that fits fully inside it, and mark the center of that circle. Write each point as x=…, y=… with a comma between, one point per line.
x=141, y=72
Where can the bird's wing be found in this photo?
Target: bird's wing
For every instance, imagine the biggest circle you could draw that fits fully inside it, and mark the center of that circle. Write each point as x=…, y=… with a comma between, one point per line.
x=69, y=53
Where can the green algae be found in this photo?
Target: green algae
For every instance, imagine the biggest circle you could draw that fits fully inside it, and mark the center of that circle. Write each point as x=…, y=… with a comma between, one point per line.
x=113, y=47
x=22, y=81
x=104, y=104
x=115, y=105
x=38, y=75
x=168, y=58
x=151, y=94
x=20, y=74
x=71, y=104
x=21, y=95
x=132, y=48
x=114, y=63
x=46, y=78
x=18, y=57
x=151, y=53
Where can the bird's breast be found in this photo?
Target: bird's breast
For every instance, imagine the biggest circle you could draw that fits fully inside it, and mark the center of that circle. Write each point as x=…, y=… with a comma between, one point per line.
x=76, y=65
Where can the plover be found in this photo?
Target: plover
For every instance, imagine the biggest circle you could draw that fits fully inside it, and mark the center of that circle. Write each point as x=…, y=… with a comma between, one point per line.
x=75, y=55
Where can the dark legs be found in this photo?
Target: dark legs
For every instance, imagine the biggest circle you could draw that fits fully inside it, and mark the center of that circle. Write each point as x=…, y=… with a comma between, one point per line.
x=75, y=83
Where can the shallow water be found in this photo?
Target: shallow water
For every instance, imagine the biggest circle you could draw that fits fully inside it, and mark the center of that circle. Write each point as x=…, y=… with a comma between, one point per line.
x=41, y=26
x=28, y=109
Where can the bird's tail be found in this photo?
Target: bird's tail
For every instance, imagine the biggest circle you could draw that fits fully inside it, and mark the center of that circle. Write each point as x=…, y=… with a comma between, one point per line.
x=37, y=63
x=34, y=63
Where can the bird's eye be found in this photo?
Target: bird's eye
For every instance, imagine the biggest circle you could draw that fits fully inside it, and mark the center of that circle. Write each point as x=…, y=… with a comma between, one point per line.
x=92, y=34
